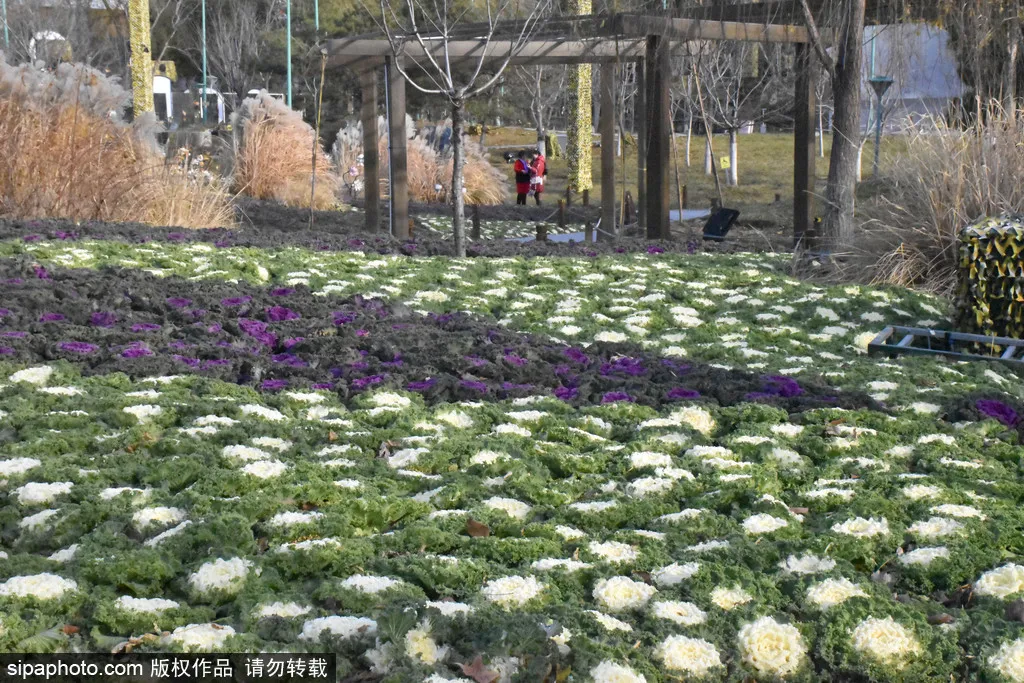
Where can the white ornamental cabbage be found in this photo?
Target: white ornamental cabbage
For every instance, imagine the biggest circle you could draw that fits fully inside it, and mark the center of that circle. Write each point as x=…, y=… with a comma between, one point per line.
x=157, y=516
x=43, y=586
x=683, y=613
x=832, y=592
x=201, y=637
x=346, y=628
x=1001, y=583
x=1009, y=660
x=763, y=524
x=38, y=375
x=730, y=598
x=516, y=509
x=674, y=574
x=16, y=466
x=620, y=593
x=610, y=672
x=885, y=640
x=691, y=655
x=370, y=584
x=221, y=575
x=863, y=528
x=41, y=493
x=127, y=603
x=772, y=648
x=512, y=591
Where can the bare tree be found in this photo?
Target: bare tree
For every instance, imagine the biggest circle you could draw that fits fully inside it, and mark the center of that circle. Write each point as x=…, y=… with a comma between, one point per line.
x=545, y=95
x=845, y=73
x=235, y=43
x=432, y=26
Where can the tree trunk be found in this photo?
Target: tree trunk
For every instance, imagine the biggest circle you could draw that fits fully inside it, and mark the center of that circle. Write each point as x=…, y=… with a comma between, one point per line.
x=821, y=132
x=142, y=65
x=708, y=170
x=689, y=137
x=1010, y=83
x=733, y=176
x=860, y=159
x=842, y=171
x=458, y=167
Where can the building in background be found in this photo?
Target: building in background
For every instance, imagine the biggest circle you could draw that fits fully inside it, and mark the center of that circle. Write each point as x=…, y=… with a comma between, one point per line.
x=923, y=68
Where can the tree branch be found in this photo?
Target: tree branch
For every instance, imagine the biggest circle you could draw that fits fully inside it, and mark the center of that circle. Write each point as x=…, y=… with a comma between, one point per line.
x=819, y=47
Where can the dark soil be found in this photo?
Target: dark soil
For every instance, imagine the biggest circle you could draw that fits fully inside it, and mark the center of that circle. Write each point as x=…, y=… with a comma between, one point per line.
x=119, y=320
x=270, y=225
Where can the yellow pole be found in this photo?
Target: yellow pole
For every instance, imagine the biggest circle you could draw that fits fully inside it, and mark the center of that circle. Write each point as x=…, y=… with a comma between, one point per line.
x=142, y=59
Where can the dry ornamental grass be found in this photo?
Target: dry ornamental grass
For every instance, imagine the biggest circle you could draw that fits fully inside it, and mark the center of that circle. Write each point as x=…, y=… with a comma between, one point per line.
x=274, y=158
x=67, y=154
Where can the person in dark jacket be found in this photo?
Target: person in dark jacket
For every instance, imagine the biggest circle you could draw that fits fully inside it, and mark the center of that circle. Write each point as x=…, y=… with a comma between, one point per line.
x=523, y=172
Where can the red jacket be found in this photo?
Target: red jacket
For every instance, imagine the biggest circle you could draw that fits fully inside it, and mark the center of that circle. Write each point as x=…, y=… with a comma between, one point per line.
x=537, y=169
x=522, y=171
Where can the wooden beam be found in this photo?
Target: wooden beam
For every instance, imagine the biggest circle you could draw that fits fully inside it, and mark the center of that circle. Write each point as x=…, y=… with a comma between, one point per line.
x=696, y=29
x=803, y=147
x=789, y=11
x=397, y=154
x=371, y=155
x=658, y=80
x=640, y=116
x=347, y=52
x=607, y=130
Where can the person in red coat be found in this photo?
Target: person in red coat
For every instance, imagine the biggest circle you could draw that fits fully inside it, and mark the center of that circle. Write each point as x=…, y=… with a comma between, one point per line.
x=523, y=172
x=538, y=169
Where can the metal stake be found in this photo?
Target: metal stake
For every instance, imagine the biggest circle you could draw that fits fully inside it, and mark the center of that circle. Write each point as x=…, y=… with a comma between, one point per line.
x=288, y=28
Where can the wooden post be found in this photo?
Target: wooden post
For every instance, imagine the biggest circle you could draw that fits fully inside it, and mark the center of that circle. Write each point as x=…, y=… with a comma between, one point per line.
x=607, y=124
x=686, y=200
x=588, y=232
x=542, y=232
x=561, y=213
x=476, y=222
x=586, y=197
x=640, y=116
x=399, y=172
x=371, y=154
x=568, y=196
x=659, y=73
x=803, y=147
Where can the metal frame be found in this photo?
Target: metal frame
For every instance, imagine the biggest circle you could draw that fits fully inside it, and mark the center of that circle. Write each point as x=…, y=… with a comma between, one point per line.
x=946, y=344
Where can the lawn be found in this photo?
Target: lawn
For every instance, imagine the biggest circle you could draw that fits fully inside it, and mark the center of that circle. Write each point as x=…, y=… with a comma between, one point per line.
x=629, y=467
x=765, y=170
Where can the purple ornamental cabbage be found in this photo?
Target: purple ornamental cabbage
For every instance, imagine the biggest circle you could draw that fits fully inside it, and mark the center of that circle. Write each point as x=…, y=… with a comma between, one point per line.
x=680, y=393
x=145, y=327
x=274, y=384
x=616, y=396
x=423, y=385
x=103, y=319
x=282, y=291
x=14, y=334
x=515, y=359
x=997, y=410
x=363, y=382
x=566, y=393
x=474, y=386
x=278, y=314
x=6, y=351
x=77, y=347
x=51, y=318
x=136, y=350
x=178, y=302
x=234, y=301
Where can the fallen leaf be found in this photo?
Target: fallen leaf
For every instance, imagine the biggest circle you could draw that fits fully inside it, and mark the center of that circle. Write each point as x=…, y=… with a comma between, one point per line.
x=645, y=577
x=70, y=630
x=799, y=511
x=332, y=436
x=478, y=672
x=940, y=619
x=477, y=529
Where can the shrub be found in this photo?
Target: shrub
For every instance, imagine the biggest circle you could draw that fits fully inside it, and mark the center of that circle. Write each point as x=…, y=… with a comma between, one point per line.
x=68, y=154
x=274, y=155
x=948, y=179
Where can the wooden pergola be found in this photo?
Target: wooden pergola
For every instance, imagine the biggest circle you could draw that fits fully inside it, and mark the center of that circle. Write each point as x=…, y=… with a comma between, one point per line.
x=606, y=40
